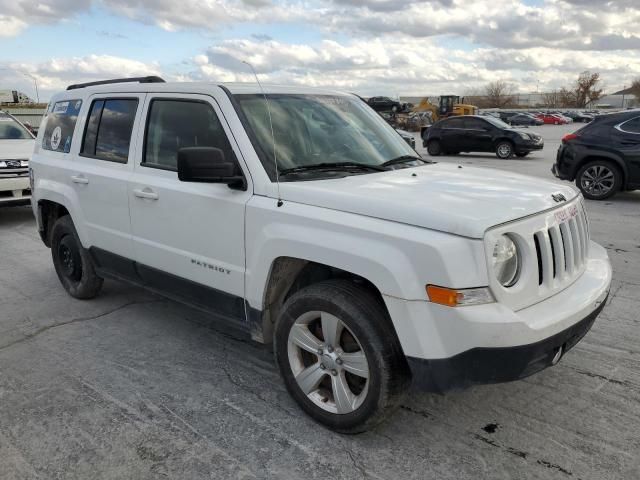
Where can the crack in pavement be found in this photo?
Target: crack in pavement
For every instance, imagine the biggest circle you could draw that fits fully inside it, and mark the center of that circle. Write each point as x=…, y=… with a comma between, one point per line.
x=490, y=441
x=46, y=328
x=358, y=466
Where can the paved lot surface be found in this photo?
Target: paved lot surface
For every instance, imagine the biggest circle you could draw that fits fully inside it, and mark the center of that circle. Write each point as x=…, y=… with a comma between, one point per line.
x=134, y=386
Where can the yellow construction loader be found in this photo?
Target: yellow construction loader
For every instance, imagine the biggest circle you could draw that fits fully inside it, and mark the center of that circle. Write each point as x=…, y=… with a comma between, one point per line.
x=448, y=105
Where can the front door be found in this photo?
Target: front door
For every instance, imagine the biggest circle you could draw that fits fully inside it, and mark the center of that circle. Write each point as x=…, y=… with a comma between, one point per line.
x=478, y=136
x=188, y=237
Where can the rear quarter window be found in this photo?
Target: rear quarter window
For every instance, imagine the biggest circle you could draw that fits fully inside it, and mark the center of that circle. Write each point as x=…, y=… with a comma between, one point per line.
x=61, y=122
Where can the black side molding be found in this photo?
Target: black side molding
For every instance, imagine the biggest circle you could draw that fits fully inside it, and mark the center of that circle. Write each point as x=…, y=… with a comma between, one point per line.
x=149, y=79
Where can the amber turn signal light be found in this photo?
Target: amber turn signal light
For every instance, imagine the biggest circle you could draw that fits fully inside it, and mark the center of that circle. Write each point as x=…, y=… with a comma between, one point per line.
x=459, y=298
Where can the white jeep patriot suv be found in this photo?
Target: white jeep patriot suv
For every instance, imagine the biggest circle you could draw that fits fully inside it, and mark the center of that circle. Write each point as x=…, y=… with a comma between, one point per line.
x=300, y=218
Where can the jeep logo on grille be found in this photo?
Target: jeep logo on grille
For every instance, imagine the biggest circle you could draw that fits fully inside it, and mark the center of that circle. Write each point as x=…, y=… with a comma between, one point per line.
x=558, y=197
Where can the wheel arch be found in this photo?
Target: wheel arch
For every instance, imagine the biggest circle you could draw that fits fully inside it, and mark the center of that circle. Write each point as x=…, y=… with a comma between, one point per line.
x=609, y=157
x=503, y=138
x=48, y=213
x=288, y=275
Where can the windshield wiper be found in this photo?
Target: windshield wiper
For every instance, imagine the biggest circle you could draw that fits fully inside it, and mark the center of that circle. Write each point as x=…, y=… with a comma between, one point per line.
x=403, y=159
x=332, y=166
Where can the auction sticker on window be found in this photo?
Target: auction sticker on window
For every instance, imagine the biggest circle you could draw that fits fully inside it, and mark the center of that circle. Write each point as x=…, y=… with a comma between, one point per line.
x=566, y=214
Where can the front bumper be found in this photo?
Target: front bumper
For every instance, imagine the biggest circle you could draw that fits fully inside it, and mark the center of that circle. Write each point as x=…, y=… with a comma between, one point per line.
x=497, y=365
x=14, y=190
x=449, y=348
x=529, y=146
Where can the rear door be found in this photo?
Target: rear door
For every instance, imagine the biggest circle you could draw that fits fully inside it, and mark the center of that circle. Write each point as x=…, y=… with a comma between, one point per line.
x=188, y=237
x=452, y=135
x=626, y=136
x=102, y=167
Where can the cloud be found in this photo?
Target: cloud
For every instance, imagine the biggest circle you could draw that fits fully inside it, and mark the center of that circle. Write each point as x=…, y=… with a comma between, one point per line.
x=208, y=15
x=57, y=73
x=368, y=46
x=11, y=26
x=401, y=65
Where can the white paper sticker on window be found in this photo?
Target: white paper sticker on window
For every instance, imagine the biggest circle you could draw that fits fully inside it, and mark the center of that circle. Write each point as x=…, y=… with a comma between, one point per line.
x=61, y=107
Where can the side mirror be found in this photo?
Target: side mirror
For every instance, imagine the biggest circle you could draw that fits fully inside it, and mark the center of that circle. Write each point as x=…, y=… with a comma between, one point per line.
x=208, y=165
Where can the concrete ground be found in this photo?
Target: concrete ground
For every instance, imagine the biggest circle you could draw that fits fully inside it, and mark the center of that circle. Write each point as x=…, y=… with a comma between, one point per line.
x=130, y=385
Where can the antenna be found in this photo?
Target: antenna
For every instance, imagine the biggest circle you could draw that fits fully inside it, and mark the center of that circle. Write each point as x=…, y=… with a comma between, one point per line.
x=273, y=137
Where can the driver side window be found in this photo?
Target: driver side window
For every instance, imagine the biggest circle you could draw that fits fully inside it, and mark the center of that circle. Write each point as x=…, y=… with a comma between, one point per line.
x=173, y=124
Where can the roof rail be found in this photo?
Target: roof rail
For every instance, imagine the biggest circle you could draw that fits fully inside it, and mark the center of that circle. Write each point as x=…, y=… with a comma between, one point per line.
x=150, y=79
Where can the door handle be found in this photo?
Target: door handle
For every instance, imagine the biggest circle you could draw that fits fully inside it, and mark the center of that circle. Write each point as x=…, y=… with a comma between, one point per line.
x=145, y=193
x=79, y=179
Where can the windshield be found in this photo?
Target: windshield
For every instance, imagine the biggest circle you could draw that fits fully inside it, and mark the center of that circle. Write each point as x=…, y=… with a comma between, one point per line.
x=497, y=122
x=12, y=130
x=314, y=129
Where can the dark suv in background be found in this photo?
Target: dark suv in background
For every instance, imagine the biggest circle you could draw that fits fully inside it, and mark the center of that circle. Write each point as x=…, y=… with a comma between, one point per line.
x=602, y=157
x=472, y=133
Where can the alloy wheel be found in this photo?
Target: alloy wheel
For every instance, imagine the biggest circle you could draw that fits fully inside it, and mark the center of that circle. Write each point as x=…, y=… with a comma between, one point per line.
x=597, y=180
x=504, y=150
x=328, y=362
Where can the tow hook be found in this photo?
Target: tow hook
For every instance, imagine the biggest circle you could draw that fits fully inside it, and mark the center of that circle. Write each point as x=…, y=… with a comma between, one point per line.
x=558, y=355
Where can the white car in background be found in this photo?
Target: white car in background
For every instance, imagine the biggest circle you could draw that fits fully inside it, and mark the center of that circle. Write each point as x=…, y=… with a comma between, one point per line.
x=16, y=146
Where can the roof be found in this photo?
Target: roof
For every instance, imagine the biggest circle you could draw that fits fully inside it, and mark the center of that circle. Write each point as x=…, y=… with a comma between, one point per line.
x=626, y=91
x=193, y=87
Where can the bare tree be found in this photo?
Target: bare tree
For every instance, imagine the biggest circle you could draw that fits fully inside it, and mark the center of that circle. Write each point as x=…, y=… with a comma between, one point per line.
x=567, y=98
x=551, y=99
x=586, y=89
x=499, y=94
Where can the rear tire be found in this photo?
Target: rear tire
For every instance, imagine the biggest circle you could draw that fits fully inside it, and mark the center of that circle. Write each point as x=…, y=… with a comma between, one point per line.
x=72, y=262
x=599, y=179
x=504, y=150
x=434, y=148
x=339, y=356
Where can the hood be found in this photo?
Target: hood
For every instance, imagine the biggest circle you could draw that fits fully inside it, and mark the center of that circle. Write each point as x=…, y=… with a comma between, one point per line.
x=16, y=149
x=524, y=129
x=464, y=201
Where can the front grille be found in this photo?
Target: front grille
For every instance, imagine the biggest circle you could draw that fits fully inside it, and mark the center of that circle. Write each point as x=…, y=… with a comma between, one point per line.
x=14, y=172
x=554, y=248
x=13, y=167
x=562, y=248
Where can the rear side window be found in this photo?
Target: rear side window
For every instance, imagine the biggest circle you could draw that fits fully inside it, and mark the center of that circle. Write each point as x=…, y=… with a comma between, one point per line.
x=475, y=124
x=108, y=131
x=453, y=123
x=631, y=126
x=61, y=122
x=175, y=124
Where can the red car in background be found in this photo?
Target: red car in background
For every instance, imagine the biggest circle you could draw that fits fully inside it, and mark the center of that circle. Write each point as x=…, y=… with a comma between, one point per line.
x=552, y=119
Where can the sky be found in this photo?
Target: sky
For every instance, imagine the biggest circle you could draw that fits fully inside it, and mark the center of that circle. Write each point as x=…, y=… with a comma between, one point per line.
x=370, y=47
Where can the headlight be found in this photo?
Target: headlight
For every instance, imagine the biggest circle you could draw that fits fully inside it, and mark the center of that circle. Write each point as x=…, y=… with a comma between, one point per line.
x=506, y=261
x=524, y=135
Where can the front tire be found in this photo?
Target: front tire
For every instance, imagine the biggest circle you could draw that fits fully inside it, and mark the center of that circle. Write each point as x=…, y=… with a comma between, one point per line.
x=504, y=150
x=434, y=148
x=339, y=356
x=73, y=264
x=599, y=180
